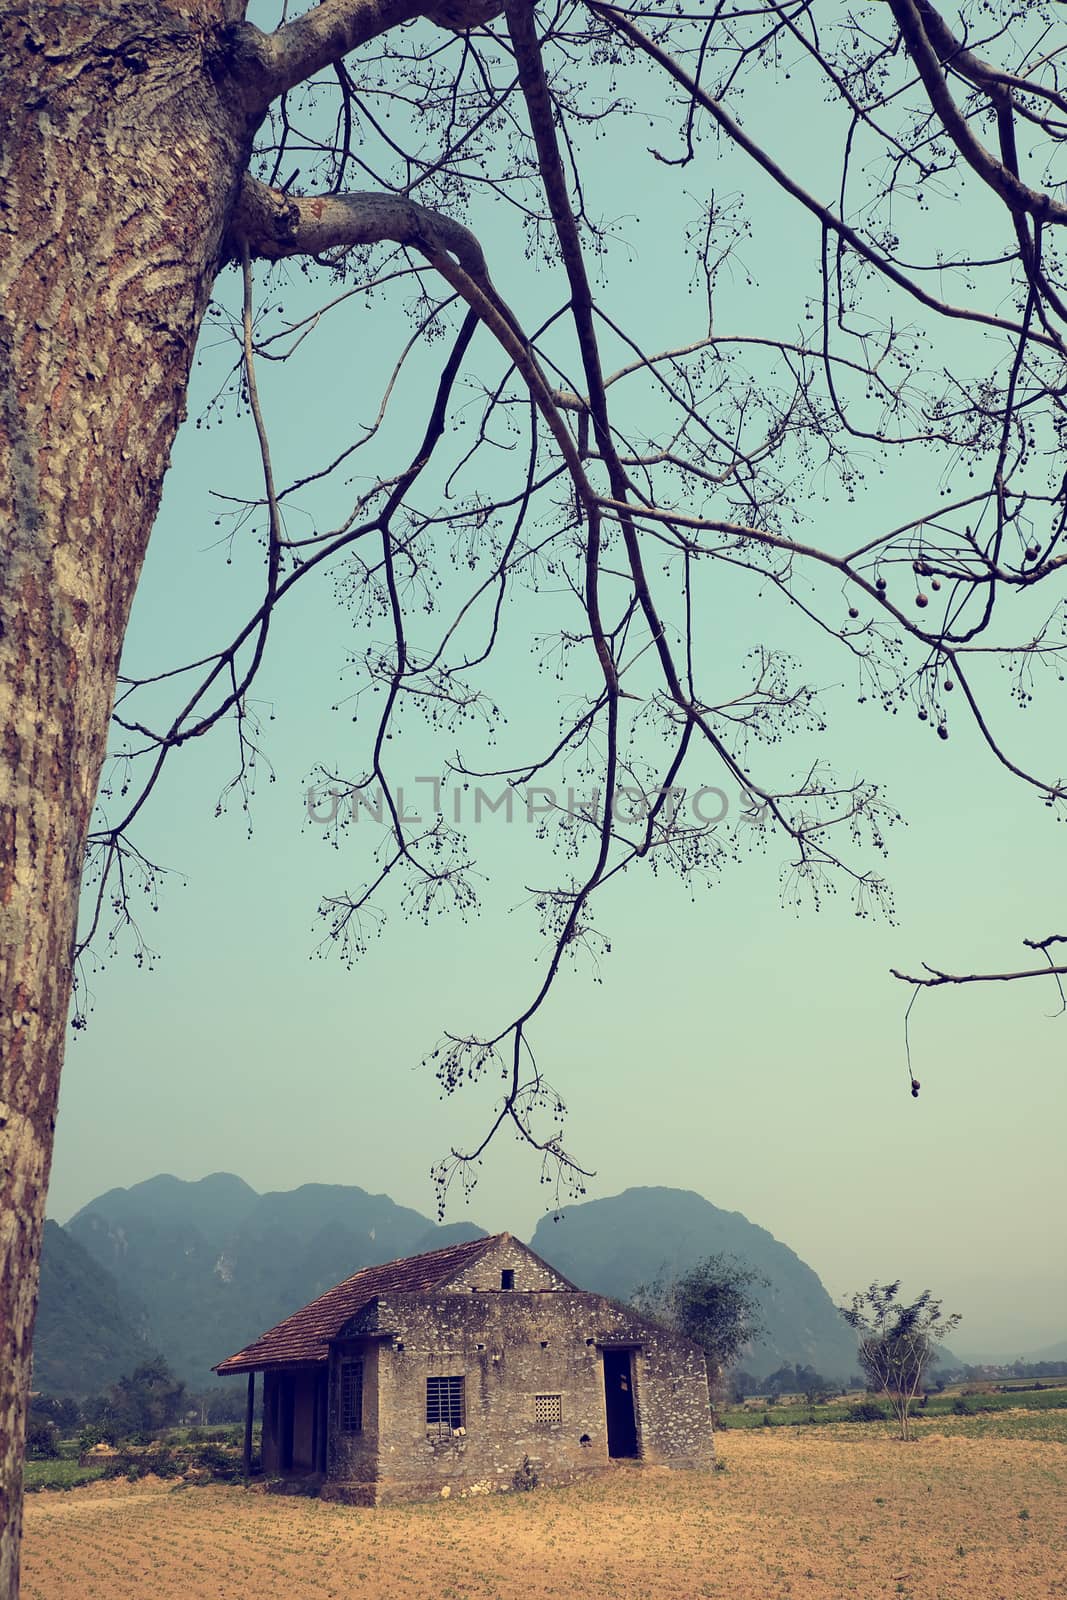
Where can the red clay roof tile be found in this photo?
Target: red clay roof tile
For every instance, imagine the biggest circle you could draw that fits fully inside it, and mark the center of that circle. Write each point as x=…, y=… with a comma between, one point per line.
x=304, y=1336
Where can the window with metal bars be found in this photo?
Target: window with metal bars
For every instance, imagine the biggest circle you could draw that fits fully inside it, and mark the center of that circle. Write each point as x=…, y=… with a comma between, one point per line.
x=351, y=1397
x=548, y=1408
x=444, y=1403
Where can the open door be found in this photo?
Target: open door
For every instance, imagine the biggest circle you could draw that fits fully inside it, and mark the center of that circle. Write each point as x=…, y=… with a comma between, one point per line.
x=619, y=1403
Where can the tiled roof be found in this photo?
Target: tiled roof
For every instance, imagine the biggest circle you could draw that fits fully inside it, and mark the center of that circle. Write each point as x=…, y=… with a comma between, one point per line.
x=304, y=1335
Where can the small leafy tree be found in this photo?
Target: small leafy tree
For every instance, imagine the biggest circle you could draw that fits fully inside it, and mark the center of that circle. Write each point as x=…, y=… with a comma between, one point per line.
x=715, y=1303
x=742, y=1384
x=897, y=1342
x=42, y=1440
x=63, y=1410
x=142, y=1402
x=812, y=1385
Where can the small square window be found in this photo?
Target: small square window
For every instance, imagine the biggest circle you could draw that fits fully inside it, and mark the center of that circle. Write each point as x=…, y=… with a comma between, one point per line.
x=507, y=1278
x=444, y=1404
x=351, y=1397
x=548, y=1408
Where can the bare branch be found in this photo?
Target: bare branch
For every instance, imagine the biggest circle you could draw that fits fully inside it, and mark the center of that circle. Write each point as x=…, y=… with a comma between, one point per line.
x=1018, y=196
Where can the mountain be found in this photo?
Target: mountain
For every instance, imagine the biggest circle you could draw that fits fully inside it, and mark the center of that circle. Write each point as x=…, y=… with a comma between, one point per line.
x=213, y=1263
x=614, y=1245
x=196, y=1270
x=86, y=1335
x=215, y=1205
x=1050, y=1352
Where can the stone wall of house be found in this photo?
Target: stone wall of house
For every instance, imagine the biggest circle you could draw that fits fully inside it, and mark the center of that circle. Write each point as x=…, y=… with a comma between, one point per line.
x=529, y=1273
x=673, y=1408
x=353, y=1457
x=510, y=1348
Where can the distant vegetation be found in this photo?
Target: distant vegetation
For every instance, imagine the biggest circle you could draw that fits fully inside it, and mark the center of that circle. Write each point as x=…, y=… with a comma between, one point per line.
x=1016, y=1369
x=145, y=1422
x=794, y=1378
x=961, y=1400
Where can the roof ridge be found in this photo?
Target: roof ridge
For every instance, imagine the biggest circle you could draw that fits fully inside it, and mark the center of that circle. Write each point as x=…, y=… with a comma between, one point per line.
x=394, y=1261
x=423, y=1255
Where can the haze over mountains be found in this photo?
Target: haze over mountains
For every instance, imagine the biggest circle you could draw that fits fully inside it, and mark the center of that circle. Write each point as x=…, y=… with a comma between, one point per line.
x=614, y=1245
x=196, y=1270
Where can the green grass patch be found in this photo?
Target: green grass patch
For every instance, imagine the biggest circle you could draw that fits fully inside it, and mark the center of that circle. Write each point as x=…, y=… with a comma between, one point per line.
x=57, y=1474
x=1026, y=1399
x=949, y=1404
x=783, y=1416
x=212, y=1432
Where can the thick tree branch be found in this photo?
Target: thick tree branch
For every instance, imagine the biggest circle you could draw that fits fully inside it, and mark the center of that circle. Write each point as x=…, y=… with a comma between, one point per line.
x=977, y=71
x=1017, y=196
x=277, y=225
x=330, y=30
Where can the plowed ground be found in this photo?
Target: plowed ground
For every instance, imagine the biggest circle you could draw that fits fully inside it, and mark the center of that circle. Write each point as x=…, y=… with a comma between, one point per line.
x=815, y=1513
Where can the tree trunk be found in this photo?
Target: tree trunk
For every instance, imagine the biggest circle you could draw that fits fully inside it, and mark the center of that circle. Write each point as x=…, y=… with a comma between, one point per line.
x=121, y=147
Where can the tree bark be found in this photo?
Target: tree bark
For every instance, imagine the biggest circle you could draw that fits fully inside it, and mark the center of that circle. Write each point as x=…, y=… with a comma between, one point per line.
x=122, y=142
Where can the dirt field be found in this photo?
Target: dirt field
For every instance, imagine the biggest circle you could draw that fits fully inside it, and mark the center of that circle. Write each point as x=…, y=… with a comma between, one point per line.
x=815, y=1513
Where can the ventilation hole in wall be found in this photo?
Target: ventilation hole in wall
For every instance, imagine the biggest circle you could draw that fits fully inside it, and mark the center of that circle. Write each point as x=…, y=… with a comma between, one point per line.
x=548, y=1408
x=481, y=1347
x=544, y=1344
x=585, y=1439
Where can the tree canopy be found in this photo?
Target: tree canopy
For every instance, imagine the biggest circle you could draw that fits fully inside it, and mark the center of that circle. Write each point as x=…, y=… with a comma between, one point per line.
x=898, y=1342
x=715, y=1303
x=570, y=478
x=627, y=480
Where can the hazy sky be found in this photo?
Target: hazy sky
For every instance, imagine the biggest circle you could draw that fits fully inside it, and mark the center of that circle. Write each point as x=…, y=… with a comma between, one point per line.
x=727, y=1045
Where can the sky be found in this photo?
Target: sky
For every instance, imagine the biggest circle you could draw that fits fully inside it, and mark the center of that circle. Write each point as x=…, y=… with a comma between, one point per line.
x=728, y=1044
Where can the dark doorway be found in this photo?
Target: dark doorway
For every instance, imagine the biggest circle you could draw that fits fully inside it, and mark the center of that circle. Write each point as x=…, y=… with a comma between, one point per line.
x=619, y=1403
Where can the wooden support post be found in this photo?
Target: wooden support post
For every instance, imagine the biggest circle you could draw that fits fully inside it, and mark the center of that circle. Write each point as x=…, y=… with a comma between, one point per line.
x=249, y=1410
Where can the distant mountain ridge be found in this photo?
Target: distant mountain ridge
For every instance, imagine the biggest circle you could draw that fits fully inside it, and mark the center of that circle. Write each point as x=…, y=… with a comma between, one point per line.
x=615, y=1245
x=197, y=1269
x=213, y=1263
x=87, y=1333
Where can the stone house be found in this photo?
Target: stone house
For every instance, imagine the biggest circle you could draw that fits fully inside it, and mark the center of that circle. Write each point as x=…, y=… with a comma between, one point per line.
x=454, y=1371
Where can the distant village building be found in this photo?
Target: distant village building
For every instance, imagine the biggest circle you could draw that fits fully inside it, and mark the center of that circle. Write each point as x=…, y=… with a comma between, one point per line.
x=466, y=1370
